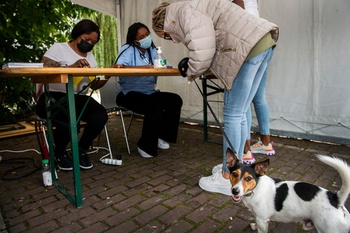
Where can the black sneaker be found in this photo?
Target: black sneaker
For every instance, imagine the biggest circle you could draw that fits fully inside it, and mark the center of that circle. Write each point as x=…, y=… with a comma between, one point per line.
x=64, y=163
x=84, y=161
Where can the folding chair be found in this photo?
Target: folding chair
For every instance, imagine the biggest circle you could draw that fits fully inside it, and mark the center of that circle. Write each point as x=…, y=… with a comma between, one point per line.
x=107, y=94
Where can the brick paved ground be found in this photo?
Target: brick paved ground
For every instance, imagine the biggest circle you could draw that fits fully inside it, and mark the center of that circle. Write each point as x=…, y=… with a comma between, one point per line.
x=149, y=195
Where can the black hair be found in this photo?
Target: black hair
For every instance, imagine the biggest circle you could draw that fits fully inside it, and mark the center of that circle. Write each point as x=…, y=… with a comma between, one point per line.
x=85, y=26
x=131, y=37
x=132, y=33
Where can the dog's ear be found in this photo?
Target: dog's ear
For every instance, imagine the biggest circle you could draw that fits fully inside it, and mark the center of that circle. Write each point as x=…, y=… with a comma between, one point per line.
x=231, y=158
x=261, y=167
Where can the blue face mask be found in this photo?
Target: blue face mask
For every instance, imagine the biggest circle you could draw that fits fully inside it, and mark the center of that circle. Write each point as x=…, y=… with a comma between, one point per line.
x=145, y=43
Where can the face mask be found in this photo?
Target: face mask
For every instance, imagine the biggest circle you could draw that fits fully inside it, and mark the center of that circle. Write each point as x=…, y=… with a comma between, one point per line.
x=85, y=46
x=145, y=43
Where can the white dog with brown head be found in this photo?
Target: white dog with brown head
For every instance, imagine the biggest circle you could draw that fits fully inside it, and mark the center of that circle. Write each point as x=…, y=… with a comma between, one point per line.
x=290, y=201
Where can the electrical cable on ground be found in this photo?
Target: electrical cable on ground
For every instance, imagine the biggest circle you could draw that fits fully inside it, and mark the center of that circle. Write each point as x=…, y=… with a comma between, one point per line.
x=22, y=164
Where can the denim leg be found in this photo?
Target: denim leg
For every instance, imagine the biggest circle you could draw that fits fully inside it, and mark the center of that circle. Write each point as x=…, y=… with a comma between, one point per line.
x=238, y=99
x=261, y=107
x=249, y=121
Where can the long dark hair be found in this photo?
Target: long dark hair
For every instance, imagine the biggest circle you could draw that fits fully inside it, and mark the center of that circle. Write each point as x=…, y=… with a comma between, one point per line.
x=132, y=33
x=131, y=37
x=85, y=26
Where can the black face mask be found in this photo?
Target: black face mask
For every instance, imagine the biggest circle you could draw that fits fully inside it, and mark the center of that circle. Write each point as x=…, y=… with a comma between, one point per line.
x=85, y=46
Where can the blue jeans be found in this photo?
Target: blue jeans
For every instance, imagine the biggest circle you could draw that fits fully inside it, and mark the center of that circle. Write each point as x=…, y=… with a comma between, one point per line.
x=261, y=109
x=238, y=99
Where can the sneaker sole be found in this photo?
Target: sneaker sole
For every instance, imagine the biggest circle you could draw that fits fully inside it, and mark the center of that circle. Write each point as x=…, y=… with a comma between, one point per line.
x=263, y=152
x=144, y=154
x=86, y=168
x=249, y=162
x=65, y=168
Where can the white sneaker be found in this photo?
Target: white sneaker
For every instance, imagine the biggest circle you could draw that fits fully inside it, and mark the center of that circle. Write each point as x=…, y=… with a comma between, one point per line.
x=143, y=153
x=163, y=144
x=217, y=168
x=216, y=183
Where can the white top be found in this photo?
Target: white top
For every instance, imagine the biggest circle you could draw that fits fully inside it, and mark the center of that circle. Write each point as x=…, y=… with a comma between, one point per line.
x=64, y=54
x=252, y=7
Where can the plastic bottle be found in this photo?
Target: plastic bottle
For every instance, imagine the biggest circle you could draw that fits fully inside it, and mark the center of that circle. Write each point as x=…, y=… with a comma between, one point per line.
x=46, y=171
x=159, y=59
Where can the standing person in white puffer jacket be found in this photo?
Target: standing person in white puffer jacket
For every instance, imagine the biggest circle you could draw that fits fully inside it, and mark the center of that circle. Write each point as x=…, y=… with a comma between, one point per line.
x=233, y=45
x=264, y=145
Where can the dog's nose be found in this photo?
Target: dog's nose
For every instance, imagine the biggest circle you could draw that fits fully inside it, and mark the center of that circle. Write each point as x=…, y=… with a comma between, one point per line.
x=235, y=191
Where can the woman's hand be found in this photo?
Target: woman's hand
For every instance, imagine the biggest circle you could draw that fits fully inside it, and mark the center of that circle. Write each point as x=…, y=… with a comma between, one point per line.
x=81, y=63
x=117, y=66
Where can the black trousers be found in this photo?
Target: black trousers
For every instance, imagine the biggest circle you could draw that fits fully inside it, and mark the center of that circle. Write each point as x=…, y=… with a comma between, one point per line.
x=94, y=115
x=161, y=112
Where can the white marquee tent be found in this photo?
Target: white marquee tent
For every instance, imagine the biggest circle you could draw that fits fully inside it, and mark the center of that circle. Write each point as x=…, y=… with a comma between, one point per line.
x=308, y=88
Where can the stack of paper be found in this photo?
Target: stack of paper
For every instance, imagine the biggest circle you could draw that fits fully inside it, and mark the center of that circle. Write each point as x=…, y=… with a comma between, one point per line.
x=23, y=65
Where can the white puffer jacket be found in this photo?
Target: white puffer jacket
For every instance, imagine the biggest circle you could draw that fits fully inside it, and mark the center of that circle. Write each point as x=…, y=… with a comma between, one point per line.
x=218, y=34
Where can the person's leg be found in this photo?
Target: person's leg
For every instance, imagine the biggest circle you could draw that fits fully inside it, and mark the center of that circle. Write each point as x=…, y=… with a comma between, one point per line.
x=234, y=101
x=236, y=104
x=61, y=134
x=95, y=117
x=151, y=107
x=171, y=104
x=261, y=107
x=248, y=156
x=249, y=125
x=237, y=101
x=262, y=113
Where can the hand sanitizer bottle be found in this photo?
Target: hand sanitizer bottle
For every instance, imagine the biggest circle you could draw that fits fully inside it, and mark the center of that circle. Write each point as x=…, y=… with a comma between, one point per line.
x=159, y=59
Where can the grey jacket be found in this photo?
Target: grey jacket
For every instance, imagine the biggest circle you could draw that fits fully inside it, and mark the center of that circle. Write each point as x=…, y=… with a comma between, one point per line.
x=218, y=34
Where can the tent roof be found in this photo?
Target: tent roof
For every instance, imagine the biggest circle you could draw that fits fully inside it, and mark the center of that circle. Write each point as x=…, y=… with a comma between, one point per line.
x=109, y=7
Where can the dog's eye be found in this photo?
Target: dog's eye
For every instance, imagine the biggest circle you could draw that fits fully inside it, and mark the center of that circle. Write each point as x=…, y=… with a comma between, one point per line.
x=249, y=178
x=235, y=174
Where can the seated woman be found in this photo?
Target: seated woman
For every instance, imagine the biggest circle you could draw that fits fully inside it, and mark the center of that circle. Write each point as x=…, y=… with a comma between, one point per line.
x=75, y=53
x=161, y=110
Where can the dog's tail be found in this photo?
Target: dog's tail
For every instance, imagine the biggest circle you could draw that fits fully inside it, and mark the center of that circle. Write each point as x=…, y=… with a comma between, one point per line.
x=344, y=171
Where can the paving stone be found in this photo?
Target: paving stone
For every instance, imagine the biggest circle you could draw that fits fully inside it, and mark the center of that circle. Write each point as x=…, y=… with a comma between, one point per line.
x=160, y=194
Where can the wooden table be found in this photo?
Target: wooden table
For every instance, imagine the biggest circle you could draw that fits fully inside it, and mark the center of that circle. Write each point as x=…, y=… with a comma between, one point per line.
x=66, y=75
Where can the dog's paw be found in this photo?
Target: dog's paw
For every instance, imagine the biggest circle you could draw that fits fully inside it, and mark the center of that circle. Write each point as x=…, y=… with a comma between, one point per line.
x=307, y=225
x=253, y=226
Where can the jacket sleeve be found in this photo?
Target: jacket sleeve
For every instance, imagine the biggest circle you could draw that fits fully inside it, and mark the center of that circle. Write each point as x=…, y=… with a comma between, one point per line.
x=200, y=41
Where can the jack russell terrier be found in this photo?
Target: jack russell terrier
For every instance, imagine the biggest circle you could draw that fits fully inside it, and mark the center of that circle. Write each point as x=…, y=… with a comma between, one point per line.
x=290, y=201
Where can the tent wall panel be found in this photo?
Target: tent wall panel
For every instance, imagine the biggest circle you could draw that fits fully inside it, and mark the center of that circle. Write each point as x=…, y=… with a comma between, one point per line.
x=308, y=78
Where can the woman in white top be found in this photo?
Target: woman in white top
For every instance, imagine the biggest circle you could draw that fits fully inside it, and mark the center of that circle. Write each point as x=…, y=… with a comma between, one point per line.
x=75, y=53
